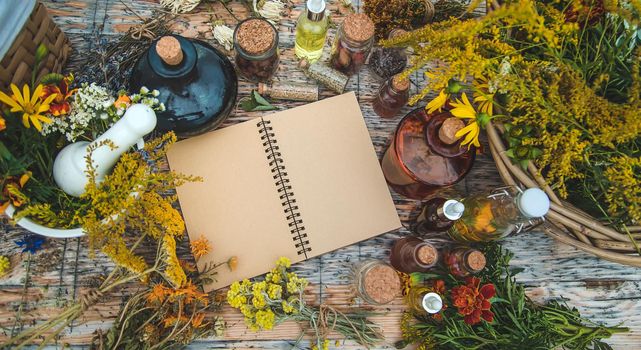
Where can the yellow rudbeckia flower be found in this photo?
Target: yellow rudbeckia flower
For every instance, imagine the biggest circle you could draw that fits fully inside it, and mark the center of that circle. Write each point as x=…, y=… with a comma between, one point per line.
x=464, y=110
x=437, y=103
x=31, y=105
x=483, y=97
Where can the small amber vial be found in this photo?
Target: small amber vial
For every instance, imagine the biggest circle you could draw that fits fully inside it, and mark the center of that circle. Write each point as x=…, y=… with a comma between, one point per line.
x=391, y=97
x=463, y=262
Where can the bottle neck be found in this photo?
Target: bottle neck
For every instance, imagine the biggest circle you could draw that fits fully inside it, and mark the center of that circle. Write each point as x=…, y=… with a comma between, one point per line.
x=315, y=16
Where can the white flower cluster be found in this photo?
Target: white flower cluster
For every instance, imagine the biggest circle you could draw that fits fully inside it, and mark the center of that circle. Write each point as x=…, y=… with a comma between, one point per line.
x=224, y=35
x=149, y=98
x=89, y=102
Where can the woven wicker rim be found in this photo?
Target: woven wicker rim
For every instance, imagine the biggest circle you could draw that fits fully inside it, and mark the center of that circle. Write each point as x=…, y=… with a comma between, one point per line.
x=566, y=223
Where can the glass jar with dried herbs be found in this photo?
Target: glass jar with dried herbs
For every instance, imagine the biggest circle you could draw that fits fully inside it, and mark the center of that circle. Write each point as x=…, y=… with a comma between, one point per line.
x=352, y=44
x=256, y=45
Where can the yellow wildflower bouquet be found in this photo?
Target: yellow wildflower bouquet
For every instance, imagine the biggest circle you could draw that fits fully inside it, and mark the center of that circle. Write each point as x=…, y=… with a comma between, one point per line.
x=279, y=297
x=562, y=79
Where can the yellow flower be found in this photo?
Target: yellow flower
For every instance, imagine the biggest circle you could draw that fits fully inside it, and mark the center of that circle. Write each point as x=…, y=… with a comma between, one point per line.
x=3, y=124
x=265, y=319
x=483, y=97
x=30, y=105
x=200, y=247
x=5, y=264
x=438, y=102
x=174, y=273
x=283, y=262
x=274, y=291
x=465, y=110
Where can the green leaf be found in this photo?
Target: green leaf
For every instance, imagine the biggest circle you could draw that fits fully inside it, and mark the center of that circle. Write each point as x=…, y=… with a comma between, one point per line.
x=535, y=153
x=52, y=78
x=260, y=99
x=264, y=108
x=247, y=104
x=523, y=163
x=510, y=153
x=4, y=152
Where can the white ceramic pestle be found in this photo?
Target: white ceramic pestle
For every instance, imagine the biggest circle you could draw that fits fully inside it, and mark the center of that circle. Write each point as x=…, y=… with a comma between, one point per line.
x=69, y=168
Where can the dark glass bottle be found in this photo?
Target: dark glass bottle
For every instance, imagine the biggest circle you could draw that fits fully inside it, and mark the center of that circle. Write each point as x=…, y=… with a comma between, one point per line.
x=424, y=155
x=391, y=97
x=438, y=215
x=197, y=84
x=463, y=261
x=412, y=254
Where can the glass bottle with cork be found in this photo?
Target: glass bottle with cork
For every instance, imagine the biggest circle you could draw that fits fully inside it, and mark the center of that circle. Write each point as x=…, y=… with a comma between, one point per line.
x=352, y=44
x=376, y=282
x=423, y=300
x=391, y=97
x=424, y=154
x=289, y=91
x=502, y=212
x=464, y=261
x=412, y=254
x=256, y=46
x=438, y=215
x=386, y=62
x=325, y=75
x=311, y=30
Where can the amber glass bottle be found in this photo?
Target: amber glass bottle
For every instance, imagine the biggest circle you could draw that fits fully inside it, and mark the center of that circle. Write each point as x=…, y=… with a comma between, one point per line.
x=412, y=254
x=463, y=261
x=438, y=215
x=391, y=97
x=424, y=154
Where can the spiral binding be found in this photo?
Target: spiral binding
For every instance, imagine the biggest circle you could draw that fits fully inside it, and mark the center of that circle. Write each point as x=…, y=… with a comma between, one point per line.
x=284, y=188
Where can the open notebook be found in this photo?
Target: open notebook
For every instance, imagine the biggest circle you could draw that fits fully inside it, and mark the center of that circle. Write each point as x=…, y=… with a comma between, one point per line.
x=297, y=183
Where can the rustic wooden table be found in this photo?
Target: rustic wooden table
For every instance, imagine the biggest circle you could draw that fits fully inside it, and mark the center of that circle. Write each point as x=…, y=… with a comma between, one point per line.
x=41, y=284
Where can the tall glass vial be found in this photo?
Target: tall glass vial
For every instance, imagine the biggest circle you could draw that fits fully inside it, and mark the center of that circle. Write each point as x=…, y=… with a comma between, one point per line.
x=424, y=154
x=352, y=44
x=423, y=300
x=438, y=215
x=256, y=46
x=463, y=261
x=391, y=97
x=502, y=212
x=412, y=254
x=311, y=30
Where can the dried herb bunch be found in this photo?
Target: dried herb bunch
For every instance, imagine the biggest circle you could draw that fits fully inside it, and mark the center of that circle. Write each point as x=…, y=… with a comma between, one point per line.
x=280, y=297
x=514, y=321
x=390, y=14
x=565, y=76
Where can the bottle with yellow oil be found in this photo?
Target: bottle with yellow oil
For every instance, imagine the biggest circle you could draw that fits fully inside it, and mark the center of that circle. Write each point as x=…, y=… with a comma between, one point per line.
x=311, y=31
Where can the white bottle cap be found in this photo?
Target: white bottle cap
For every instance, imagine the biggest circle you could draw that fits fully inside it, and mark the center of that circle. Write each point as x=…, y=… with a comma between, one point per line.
x=453, y=209
x=432, y=303
x=316, y=6
x=534, y=203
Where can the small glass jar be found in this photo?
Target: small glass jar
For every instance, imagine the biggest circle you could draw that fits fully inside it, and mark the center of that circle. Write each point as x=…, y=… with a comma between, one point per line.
x=412, y=254
x=376, y=282
x=256, y=45
x=438, y=215
x=386, y=62
x=391, y=97
x=352, y=43
x=463, y=261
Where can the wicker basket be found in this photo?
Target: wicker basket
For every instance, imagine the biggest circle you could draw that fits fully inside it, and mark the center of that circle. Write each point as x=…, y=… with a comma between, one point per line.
x=565, y=222
x=17, y=64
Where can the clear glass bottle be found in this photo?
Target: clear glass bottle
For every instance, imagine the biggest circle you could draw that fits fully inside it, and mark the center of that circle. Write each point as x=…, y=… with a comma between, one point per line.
x=463, y=261
x=289, y=91
x=352, y=43
x=500, y=213
x=256, y=46
x=311, y=30
x=391, y=97
x=325, y=75
x=438, y=215
x=376, y=282
x=389, y=61
x=423, y=300
x=424, y=154
x=412, y=254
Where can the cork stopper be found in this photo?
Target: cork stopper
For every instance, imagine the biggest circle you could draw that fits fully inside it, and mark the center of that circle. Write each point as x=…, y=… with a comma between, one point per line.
x=382, y=284
x=475, y=260
x=448, y=130
x=169, y=50
x=255, y=36
x=358, y=27
x=427, y=254
x=399, y=83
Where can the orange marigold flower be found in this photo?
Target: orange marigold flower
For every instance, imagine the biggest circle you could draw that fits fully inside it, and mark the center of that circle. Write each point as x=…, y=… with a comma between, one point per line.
x=122, y=102
x=158, y=294
x=197, y=320
x=190, y=293
x=12, y=191
x=472, y=302
x=3, y=124
x=200, y=247
x=170, y=321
